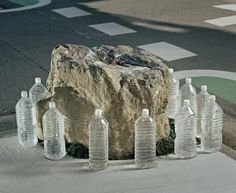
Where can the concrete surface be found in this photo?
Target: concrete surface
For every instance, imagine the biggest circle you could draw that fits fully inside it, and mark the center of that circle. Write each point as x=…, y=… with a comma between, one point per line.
x=26, y=170
x=27, y=38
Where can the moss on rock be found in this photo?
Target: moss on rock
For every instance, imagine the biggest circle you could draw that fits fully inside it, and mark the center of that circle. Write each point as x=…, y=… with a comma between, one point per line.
x=164, y=146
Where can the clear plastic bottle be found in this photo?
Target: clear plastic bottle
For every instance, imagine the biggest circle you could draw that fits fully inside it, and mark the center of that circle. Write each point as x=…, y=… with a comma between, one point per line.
x=53, y=127
x=173, y=105
x=36, y=93
x=212, y=124
x=185, y=143
x=26, y=130
x=145, y=141
x=98, y=141
x=188, y=92
x=202, y=98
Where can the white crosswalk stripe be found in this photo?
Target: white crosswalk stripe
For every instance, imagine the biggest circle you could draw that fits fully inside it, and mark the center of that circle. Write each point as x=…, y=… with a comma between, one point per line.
x=231, y=7
x=112, y=28
x=224, y=21
x=167, y=51
x=71, y=12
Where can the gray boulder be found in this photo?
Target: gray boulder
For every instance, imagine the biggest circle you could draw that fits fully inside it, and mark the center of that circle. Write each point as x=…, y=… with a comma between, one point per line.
x=119, y=80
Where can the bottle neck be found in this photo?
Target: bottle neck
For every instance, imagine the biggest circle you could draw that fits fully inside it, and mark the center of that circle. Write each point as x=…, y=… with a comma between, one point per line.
x=52, y=105
x=145, y=116
x=204, y=91
x=98, y=113
x=186, y=106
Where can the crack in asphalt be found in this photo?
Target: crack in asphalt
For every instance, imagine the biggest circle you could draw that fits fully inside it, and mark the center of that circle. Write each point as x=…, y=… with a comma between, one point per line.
x=23, y=55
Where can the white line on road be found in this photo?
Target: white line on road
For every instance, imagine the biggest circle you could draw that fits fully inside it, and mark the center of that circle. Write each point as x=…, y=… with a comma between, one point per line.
x=167, y=51
x=231, y=7
x=205, y=73
x=112, y=28
x=41, y=3
x=71, y=12
x=223, y=21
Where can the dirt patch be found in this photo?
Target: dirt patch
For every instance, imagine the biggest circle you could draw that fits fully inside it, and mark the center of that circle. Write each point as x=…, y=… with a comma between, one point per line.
x=229, y=128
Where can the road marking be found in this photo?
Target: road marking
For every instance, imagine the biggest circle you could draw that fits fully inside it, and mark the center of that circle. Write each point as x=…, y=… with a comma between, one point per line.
x=71, y=12
x=41, y=3
x=223, y=21
x=231, y=7
x=167, y=51
x=207, y=73
x=221, y=87
x=112, y=28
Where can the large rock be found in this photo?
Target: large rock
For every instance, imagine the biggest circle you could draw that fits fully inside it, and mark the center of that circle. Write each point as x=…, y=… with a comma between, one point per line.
x=120, y=80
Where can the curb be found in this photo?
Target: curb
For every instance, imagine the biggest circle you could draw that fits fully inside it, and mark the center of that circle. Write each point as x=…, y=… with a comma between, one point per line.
x=41, y=3
x=228, y=151
x=7, y=125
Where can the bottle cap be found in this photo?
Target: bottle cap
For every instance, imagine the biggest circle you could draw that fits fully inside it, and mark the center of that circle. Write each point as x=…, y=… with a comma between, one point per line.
x=171, y=70
x=186, y=102
x=203, y=88
x=37, y=80
x=145, y=112
x=188, y=80
x=24, y=94
x=212, y=97
x=52, y=105
x=98, y=112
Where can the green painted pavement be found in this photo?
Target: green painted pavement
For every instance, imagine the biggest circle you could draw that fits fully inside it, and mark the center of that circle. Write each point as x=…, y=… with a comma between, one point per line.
x=223, y=88
x=24, y=2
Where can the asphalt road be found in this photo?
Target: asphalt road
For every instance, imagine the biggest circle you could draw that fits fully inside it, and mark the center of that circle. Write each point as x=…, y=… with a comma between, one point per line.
x=28, y=37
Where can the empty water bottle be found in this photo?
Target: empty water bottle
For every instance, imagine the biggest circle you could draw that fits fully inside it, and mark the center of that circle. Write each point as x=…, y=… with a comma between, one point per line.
x=185, y=143
x=53, y=127
x=145, y=141
x=98, y=141
x=36, y=93
x=26, y=130
x=188, y=92
x=202, y=98
x=173, y=105
x=212, y=123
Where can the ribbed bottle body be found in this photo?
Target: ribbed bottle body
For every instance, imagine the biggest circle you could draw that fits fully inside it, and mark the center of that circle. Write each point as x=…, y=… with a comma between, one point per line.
x=54, y=142
x=172, y=106
x=202, y=98
x=26, y=130
x=212, y=124
x=37, y=92
x=145, y=142
x=98, y=143
x=173, y=102
x=185, y=143
x=188, y=92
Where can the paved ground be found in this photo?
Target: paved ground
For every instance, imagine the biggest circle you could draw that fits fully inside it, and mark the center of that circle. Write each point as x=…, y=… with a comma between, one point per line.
x=28, y=37
x=26, y=170
x=199, y=34
x=177, y=31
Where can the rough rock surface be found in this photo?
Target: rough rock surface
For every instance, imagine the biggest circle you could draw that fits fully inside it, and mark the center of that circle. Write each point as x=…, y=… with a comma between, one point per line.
x=120, y=80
